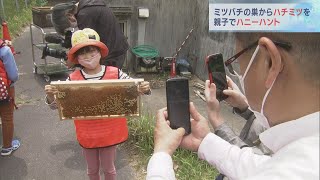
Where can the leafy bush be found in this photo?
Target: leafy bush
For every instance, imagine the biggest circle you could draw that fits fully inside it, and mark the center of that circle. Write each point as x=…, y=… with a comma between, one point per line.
x=16, y=17
x=41, y=3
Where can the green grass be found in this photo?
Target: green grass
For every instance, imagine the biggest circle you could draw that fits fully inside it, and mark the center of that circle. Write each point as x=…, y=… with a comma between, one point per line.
x=186, y=163
x=17, y=19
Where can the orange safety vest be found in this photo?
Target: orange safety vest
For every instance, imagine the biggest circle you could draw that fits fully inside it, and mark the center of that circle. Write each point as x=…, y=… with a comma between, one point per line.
x=100, y=132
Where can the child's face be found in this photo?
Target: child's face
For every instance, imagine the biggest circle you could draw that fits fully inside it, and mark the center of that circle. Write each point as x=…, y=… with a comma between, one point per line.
x=89, y=57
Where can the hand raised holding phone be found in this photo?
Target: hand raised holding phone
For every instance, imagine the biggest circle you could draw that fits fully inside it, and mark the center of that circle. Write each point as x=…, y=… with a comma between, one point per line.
x=217, y=74
x=177, y=90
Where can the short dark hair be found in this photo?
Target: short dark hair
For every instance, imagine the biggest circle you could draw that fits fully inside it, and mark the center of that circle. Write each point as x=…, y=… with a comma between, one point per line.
x=86, y=49
x=305, y=50
x=59, y=20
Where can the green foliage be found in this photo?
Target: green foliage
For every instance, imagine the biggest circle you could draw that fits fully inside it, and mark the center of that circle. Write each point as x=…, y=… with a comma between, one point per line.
x=41, y=3
x=186, y=164
x=16, y=17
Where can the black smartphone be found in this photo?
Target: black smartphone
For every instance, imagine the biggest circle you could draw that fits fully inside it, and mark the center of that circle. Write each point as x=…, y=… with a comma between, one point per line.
x=177, y=90
x=217, y=74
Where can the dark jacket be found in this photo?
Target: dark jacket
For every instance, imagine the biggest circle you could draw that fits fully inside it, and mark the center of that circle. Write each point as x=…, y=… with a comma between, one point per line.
x=95, y=14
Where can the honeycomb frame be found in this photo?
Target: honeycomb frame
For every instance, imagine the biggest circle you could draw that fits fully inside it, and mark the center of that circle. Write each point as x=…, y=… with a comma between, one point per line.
x=97, y=99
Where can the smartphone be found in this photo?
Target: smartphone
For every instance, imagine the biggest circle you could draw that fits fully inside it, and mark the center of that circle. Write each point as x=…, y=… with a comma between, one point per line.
x=177, y=90
x=217, y=74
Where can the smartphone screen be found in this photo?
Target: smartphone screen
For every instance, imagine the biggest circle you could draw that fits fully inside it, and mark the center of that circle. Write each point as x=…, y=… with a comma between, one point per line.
x=217, y=74
x=177, y=90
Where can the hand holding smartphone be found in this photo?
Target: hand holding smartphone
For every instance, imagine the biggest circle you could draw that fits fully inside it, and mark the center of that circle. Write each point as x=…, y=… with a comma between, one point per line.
x=177, y=90
x=217, y=74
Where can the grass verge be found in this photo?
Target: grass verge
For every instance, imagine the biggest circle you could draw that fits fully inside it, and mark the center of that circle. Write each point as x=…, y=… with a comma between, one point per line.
x=186, y=163
x=16, y=19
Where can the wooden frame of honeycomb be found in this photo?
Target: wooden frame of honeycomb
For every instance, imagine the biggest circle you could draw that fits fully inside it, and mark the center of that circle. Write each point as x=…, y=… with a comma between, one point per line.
x=97, y=99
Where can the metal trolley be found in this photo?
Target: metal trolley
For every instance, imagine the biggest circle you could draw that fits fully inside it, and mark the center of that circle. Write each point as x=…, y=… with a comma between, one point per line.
x=47, y=68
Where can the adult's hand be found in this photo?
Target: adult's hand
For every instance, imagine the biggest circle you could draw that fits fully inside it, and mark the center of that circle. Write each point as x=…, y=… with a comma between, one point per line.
x=236, y=98
x=166, y=139
x=213, y=106
x=199, y=130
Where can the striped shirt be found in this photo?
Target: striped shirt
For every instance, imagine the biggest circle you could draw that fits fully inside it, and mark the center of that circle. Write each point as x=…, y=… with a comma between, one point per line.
x=98, y=76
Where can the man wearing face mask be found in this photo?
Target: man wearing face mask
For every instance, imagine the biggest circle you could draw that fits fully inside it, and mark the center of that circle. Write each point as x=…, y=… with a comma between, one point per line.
x=279, y=73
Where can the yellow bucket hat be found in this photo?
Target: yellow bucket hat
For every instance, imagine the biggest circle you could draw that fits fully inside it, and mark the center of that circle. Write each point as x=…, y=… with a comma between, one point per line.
x=86, y=37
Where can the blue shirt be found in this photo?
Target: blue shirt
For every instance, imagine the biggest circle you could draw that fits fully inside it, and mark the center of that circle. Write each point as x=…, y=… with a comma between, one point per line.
x=9, y=63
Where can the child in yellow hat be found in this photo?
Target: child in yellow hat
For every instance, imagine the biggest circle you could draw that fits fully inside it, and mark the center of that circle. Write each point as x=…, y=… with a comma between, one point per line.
x=98, y=138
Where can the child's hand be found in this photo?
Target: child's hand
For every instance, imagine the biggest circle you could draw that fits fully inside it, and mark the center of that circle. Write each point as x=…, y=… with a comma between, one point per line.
x=213, y=106
x=50, y=91
x=236, y=98
x=144, y=87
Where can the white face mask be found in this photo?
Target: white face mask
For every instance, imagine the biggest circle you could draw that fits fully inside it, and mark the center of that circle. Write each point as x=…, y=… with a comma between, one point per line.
x=259, y=115
x=91, y=62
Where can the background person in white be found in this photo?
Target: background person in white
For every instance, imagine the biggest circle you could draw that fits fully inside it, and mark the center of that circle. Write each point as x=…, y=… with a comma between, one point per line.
x=283, y=87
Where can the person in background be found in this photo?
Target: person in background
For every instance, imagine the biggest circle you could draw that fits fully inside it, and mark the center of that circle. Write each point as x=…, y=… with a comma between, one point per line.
x=94, y=14
x=249, y=135
x=4, y=43
x=9, y=75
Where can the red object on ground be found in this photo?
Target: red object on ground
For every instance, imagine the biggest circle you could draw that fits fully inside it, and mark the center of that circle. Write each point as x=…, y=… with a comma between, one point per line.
x=173, y=68
x=6, y=35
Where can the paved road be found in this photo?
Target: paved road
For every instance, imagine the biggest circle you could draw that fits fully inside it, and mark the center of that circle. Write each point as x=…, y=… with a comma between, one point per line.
x=49, y=150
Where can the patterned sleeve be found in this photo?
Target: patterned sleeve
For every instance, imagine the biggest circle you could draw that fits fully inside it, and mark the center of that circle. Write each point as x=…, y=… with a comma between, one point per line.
x=123, y=75
x=226, y=133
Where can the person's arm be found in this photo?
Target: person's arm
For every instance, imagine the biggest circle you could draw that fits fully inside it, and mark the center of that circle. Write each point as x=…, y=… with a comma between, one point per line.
x=235, y=99
x=248, y=137
x=166, y=141
x=229, y=159
x=9, y=63
x=221, y=129
x=249, y=132
x=226, y=133
x=245, y=114
x=160, y=167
